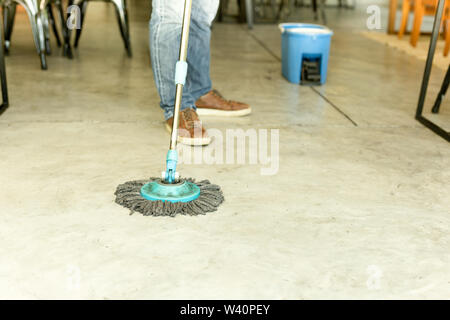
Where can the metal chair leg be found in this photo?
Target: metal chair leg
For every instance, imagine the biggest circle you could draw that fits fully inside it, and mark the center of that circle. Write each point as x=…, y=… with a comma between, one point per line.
x=5, y=103
x=51, y=18
x=274, y=7
x=322, y=11
x=219, y=16
x=122, y=17
x=426, y=76
x=67, y=50
x=83, y=5
x=319, y=5
x=442, y=92
x=38, y=19
x=9, y=13
x=37, y=26
x=314, y=7
x=249, y=13
x=45, y=24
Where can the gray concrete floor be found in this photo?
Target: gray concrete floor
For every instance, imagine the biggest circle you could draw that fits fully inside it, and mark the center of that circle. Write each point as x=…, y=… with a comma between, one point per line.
x=358, y=209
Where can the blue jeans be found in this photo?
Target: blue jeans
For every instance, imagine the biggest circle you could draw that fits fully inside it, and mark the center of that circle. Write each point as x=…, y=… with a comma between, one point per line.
x=165, y=34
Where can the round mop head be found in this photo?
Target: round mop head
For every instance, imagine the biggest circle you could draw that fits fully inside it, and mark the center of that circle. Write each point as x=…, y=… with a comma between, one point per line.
x=135, y=196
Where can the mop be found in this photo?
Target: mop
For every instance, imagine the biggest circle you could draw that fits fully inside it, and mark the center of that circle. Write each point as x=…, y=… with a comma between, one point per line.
x=170, y=195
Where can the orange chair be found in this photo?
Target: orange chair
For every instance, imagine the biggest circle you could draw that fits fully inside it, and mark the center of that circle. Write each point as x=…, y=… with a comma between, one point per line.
x=407, y=7
x=428, y=7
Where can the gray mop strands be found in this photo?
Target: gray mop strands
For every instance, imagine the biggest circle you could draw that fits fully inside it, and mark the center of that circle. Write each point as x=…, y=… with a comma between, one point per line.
x=128, y=195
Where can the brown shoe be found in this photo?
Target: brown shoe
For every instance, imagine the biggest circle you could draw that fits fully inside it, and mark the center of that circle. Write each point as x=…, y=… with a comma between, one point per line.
x=190, y=129
x=214, y=104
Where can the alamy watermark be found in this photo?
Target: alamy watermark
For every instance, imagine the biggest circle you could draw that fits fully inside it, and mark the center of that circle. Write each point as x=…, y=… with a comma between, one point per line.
x=73, y=279
x=374, y=20
x=375, y=274
x=73, y=17
x=237, y=146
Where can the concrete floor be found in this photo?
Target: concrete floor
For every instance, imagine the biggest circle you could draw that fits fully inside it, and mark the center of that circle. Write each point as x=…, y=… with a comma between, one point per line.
x=358, y=209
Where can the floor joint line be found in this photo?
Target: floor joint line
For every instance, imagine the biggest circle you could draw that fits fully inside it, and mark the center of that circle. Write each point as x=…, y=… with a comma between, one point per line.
x=334, y=106
x=273, y=54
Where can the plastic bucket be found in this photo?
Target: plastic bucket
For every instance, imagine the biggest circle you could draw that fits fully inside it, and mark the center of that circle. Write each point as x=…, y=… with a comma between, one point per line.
x=300, y=41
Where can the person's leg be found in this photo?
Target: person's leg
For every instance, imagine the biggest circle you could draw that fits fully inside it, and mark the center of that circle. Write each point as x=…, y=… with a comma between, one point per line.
x=198, y=79
x=198, y=84
x=165, y=33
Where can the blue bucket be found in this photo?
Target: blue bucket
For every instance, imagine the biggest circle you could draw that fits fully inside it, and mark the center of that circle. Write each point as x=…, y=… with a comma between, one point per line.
x=301, y=42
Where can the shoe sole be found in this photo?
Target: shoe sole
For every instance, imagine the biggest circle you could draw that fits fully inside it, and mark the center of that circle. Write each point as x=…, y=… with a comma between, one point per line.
x=191, y=141
x=223, y=113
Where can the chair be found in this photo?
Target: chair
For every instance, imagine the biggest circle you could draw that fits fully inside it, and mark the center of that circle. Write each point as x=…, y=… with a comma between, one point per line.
x=49, y=5
x=407, y=8
x=345, y=4
x=122, y=17
x=272, y=10
x=246, y=11
x=39, y=25
x=422, y=8
x=427, y=7
x=316, y=5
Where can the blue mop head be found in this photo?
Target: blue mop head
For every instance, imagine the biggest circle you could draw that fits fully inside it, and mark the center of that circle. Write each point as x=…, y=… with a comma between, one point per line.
x=169, y=196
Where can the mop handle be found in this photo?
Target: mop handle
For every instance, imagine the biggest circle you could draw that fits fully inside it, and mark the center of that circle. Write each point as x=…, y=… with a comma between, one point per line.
x=181, y=71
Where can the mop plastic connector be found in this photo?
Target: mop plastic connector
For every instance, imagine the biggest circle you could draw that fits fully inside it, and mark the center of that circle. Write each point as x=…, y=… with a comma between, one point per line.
x=181, y=72
x=171, y=166
x=183, y=191
x=170, y=188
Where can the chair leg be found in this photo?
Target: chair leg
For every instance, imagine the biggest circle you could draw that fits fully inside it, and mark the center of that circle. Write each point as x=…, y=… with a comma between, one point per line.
x=67, y=50
x=405, y=17
x=45, y=24
x=9, y=13
x=314, y=6
x=220, y=11
x=122, y=16
x=37, y=26
x=51, y=18
x=442, y=92
x=447, y=38
x=419, y=11
x=249, y=13
x=5, y=102
x=273, y=5
x=281, y=8
x=83, y=4
x=322, y=11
